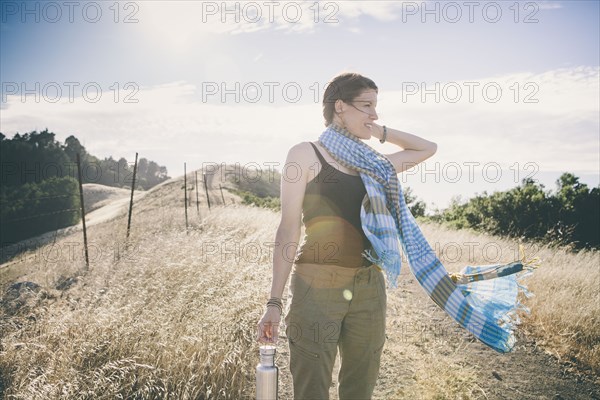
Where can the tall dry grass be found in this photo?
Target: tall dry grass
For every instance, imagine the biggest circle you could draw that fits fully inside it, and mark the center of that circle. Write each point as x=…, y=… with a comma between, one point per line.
x=171, y=314
x=565, y=306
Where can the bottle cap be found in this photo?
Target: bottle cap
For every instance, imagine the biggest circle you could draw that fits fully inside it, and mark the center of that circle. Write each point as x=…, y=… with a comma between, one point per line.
x=267, y=350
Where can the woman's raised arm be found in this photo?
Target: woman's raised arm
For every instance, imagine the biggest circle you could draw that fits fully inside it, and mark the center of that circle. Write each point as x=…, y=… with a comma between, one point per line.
x=416, y=149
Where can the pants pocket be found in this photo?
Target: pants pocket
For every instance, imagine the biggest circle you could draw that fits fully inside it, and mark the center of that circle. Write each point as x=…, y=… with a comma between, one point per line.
x=382, y=291
x=301, y=350
x=300, y=287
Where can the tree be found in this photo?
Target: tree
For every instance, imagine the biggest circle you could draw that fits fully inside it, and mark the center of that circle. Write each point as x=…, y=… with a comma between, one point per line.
x=39, y=182
x=578, y=210
x=416, y=207
x=73, y=147
x=35, y=208
x=571, y=216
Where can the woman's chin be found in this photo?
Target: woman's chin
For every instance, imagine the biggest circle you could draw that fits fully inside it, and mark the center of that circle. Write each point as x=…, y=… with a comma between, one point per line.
x=363, y=136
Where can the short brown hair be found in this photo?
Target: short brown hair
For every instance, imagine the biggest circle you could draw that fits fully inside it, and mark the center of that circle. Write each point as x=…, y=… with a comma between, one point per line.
x=346, y=87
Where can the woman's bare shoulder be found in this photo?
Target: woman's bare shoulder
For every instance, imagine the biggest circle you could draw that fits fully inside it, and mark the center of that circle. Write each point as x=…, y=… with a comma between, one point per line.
x=301, y=153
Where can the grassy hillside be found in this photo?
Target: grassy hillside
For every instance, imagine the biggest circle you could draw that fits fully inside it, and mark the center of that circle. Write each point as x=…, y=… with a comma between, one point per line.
x=172, y=313
x=107, y=324
x=95, y=196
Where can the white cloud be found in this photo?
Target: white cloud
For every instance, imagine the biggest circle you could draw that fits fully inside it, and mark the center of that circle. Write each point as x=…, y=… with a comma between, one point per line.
x=379, y=10
x=171, y=125
x=178, y=22
x=559, y=131
x=547, y=5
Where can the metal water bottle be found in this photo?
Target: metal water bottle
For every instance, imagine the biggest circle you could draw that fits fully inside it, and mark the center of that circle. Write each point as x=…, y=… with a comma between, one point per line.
x=267, y=375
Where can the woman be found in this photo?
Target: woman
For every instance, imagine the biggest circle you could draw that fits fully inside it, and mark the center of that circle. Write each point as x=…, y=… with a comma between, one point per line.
x=337, y=290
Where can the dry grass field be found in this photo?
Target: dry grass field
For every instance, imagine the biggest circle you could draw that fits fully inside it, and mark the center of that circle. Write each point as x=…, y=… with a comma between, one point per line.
x=171, y=314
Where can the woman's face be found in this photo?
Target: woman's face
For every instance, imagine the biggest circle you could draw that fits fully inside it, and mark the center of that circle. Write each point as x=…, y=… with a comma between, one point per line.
x=357, y=115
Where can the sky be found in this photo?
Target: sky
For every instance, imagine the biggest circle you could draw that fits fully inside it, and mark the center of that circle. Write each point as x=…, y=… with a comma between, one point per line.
x=507, y=89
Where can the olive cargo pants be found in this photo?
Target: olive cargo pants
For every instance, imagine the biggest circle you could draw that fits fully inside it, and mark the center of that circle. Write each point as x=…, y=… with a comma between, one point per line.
x=331, y=307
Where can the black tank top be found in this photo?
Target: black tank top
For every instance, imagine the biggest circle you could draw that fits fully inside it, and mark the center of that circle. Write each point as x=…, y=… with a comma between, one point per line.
x=331, y=216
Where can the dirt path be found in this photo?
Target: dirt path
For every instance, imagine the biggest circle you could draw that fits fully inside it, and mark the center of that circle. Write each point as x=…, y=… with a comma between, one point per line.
x=526, y=373
x=111, y=210
x=428, y=356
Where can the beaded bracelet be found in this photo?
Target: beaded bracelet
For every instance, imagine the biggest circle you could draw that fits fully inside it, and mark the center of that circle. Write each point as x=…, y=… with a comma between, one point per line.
x=274, y=301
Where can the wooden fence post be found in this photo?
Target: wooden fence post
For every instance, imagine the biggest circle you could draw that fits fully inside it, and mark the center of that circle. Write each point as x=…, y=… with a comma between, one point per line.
x=132, y=189
x=206, y=190
x=85, y=246
x=185, y=200
x=222, y=197
x=197, y=202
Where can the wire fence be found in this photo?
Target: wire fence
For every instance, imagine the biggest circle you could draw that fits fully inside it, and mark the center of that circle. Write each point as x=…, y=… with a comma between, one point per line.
x=210, y=197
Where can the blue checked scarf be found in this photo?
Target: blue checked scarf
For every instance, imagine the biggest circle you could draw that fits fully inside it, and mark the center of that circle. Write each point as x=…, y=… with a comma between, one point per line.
x=485, y=307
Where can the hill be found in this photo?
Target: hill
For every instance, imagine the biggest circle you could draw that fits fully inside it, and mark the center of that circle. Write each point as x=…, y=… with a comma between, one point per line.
x=96, y=196
x=171, y=313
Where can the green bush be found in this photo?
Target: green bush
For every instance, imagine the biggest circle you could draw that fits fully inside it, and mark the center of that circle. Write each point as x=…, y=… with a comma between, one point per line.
x=34, y=208
x=569, y=216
